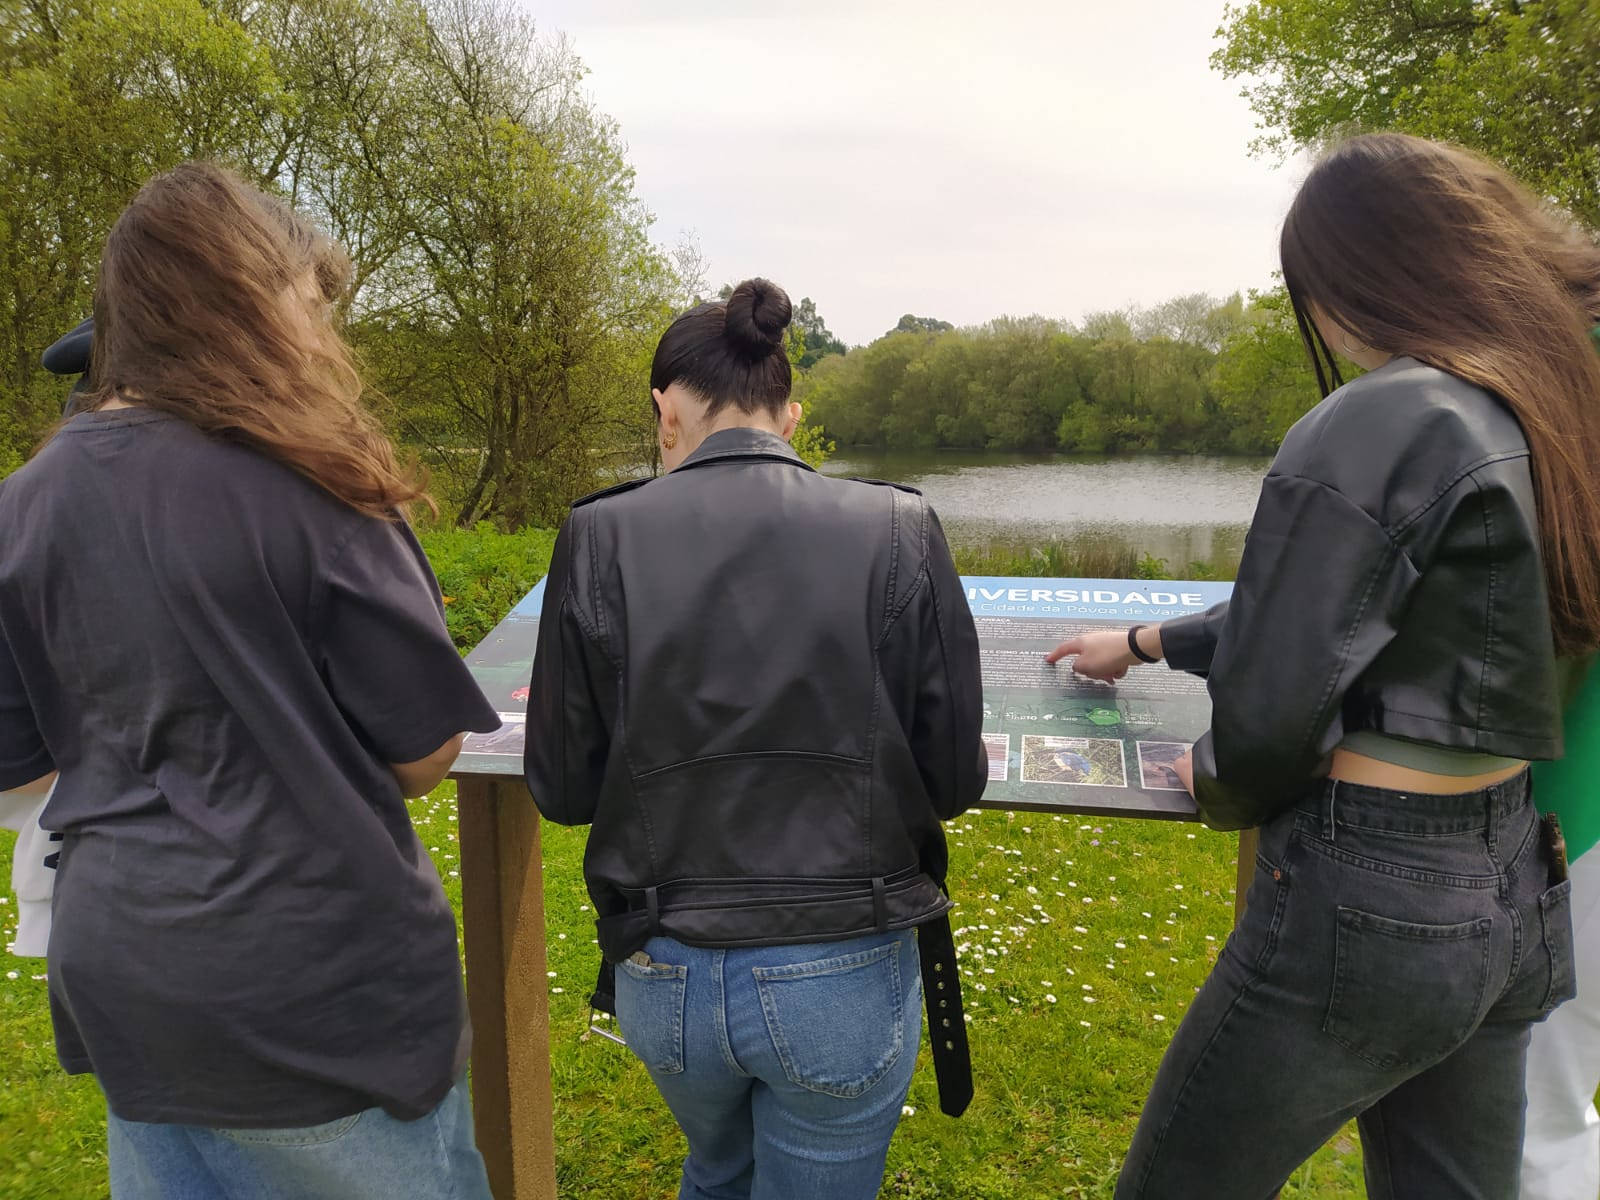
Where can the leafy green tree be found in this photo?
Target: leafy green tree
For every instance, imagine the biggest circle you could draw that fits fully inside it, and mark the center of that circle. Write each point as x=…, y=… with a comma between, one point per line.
x=506, y=290
x=1111, y=324
x=95, y=98
x=538, y=271
x=819, y=342
x=1516, y=79
x=915, y=324
x=811, y=444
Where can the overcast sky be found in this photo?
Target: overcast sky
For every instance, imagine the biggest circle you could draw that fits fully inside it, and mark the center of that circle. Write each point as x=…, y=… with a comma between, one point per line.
x=960, y=161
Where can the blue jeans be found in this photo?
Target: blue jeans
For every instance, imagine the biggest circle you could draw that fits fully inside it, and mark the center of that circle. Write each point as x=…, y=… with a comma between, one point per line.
x=786, y=1066
x=367, y=1156
x=1395, y=953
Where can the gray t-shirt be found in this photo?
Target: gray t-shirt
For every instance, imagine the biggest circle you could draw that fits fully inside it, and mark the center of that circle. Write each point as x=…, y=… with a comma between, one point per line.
x=221, y=659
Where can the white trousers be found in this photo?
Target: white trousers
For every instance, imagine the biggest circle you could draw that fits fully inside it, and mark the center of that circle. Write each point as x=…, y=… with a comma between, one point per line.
x=1561, y=1153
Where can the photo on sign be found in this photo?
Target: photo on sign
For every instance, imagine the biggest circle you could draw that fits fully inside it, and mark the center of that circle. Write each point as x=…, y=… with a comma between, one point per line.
x=508, y=740
x=1088, y=762
x=998, y=747
x=1156, y=768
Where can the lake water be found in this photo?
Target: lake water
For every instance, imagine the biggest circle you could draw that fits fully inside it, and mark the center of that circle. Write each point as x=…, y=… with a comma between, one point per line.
x=1180, y=508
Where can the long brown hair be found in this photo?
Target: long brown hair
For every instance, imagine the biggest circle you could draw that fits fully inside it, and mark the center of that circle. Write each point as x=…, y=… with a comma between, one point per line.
x=1430, y=251
x=204, y=309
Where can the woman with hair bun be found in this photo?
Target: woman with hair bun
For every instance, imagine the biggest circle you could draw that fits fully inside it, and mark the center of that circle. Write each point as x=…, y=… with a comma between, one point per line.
x=760, y=686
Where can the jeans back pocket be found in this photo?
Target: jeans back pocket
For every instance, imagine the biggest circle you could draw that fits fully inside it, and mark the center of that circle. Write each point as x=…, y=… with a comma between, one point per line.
x=1555, y=911
x=305, y=1135
x=650, y=1002
x=838, y=1024
x=1406, y=994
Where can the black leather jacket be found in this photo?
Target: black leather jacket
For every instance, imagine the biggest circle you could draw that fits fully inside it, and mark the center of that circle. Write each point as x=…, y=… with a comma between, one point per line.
x=1392, y=580
x=760, y=685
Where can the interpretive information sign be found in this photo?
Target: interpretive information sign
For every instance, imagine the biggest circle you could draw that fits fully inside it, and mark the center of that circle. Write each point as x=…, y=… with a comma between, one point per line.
x=1055, y=740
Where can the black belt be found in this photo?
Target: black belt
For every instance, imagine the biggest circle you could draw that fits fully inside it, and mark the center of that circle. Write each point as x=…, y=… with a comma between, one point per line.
x=947, y=1026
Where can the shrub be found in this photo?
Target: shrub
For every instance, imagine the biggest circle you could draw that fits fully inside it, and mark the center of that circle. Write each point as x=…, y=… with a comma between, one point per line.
x=483, y=573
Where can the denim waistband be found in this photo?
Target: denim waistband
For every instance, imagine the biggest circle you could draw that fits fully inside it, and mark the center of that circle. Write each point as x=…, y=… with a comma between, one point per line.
x=1331, y=800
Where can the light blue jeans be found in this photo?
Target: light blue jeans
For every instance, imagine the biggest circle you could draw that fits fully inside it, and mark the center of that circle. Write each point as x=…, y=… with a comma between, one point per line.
x=367, y=1156
x=786, y=1066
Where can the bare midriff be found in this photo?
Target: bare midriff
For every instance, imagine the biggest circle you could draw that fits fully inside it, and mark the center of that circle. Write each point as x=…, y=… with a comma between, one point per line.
x=1358, y=769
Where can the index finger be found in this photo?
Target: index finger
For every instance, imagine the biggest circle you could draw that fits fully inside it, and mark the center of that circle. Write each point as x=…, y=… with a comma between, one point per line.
x=1073, y=645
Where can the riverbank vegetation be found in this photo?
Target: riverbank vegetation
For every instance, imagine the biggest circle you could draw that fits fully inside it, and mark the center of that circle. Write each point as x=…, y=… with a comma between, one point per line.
x=1085, y=556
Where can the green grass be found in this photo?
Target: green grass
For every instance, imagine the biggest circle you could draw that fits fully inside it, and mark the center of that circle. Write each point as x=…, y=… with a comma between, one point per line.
x=1086, y=556
x=1119, y=921
x=1121, y=924
x=483, y=572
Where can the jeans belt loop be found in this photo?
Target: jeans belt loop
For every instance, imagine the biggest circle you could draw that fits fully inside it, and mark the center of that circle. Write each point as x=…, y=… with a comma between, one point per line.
x=1491, y=816
x=880, y=905
x=1327, y=812
x=652, y=910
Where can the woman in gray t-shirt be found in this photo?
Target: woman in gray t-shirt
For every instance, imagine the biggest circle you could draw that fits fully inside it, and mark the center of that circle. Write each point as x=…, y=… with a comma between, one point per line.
x=216, y=625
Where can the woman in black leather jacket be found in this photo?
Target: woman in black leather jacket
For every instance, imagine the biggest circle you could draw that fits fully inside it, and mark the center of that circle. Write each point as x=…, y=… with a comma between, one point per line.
x=761, y=686
x=1427, y=542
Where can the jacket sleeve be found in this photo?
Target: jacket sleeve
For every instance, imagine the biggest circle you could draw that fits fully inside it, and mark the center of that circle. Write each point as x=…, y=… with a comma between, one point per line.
x=947, y=723
x=1190, y=643
x=569, y=738
x=1319, y=595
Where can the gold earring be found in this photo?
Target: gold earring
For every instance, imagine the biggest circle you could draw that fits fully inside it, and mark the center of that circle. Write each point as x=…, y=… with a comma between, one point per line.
x=670, y=439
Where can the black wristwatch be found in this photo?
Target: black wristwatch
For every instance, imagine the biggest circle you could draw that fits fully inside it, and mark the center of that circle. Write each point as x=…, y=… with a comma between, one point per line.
x=1135, y=649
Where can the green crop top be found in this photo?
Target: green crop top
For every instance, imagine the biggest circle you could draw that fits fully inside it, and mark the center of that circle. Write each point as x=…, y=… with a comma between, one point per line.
x=1424, y=756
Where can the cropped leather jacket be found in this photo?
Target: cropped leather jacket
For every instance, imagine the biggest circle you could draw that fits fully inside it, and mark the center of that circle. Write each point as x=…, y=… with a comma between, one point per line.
x=760, y=685
x=1392, y=580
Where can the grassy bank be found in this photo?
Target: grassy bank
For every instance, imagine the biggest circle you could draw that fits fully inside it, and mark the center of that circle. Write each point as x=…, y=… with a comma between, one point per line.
x=1084, y=557
x=1082, y=943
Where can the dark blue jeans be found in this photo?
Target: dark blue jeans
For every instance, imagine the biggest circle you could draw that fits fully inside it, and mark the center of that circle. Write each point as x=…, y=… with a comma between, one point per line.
x=1396, y=950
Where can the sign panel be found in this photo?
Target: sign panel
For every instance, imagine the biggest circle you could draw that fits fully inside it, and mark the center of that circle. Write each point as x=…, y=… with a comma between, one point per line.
x=1056, y=742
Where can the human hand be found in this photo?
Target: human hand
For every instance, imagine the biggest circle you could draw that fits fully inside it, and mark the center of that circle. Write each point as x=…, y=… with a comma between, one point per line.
x=1102, y=656
x=1184, y=768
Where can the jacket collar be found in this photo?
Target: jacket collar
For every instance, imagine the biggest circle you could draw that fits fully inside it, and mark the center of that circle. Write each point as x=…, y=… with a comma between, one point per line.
x=742, y=443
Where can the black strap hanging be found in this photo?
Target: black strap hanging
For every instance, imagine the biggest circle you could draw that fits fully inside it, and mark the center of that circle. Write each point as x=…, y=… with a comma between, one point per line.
x=947, y=1026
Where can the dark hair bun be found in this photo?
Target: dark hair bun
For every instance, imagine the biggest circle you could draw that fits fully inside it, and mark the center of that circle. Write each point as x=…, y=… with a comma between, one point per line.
x=758, y=313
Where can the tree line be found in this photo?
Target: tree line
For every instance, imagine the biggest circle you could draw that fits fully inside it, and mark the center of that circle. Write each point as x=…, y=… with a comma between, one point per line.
x=507, y=291
x=1194, y=374
x=1519, y=82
